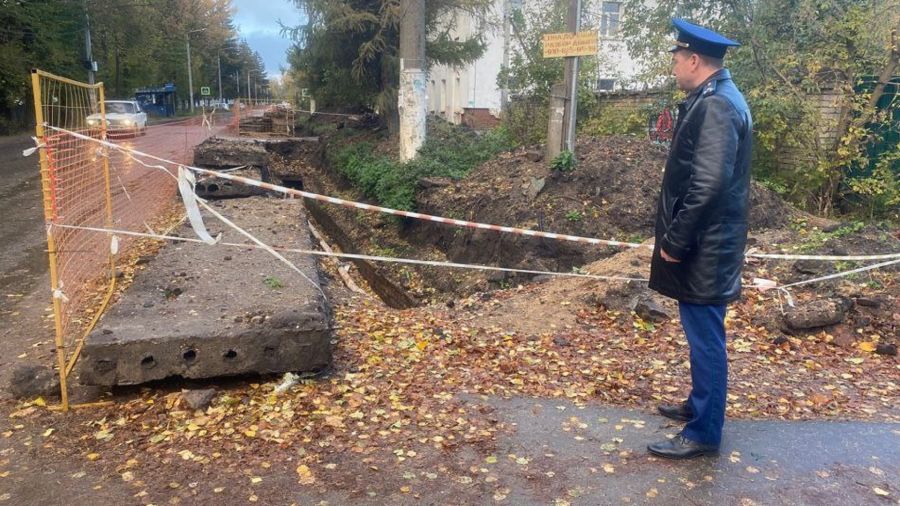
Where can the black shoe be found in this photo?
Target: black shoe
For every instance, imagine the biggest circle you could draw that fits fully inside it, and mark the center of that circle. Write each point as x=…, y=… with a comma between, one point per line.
x=680, y=448
x=681, y=412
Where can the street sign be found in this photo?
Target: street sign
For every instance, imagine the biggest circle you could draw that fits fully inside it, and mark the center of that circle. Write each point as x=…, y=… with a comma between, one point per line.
x=204, y=90
x=559, y=45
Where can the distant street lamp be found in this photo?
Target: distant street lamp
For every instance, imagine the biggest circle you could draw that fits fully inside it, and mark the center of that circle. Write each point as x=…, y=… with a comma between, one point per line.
x=187, y=38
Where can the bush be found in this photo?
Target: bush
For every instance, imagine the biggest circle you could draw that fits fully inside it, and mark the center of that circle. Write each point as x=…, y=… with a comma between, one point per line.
x=526, y=120
x=615, y=120
x=450, y=151
x=564, y=162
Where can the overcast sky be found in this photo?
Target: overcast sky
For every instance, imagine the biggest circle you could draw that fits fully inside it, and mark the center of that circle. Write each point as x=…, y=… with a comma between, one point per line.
x=257, y=22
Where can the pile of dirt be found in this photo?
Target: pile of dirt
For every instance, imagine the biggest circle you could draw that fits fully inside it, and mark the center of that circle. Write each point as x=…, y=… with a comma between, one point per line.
x=611, y=194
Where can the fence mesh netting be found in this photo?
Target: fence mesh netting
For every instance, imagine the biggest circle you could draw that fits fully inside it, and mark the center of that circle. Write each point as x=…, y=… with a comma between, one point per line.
x=87, y=185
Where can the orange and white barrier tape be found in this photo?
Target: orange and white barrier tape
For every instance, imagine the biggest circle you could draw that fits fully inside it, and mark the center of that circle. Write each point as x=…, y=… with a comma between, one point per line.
x=455, y=222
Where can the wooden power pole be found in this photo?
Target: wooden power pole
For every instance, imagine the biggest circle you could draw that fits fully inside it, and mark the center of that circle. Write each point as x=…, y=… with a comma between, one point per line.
x=412, y=104
x=564, y=96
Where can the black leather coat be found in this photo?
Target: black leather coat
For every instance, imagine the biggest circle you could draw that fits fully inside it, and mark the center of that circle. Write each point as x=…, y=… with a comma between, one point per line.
x=702, y=213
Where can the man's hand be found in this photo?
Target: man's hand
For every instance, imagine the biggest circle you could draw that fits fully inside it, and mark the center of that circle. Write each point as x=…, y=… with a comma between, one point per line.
x=665, y=256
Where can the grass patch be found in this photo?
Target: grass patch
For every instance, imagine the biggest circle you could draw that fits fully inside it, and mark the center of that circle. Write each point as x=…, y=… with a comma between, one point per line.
x=450, y=151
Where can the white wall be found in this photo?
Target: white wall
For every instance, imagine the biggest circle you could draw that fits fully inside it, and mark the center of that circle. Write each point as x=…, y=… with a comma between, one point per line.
x=450, y=89
x=614, y=62
x=475, y=85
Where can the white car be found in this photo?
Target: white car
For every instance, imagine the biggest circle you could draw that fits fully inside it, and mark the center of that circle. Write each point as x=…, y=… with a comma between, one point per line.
x=122, y=117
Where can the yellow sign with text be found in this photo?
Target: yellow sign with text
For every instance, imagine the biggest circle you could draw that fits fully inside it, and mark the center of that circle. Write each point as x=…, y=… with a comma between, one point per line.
x=559, y=45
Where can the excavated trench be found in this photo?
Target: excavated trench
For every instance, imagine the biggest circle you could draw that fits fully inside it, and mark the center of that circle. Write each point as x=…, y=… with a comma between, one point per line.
x=257, y=159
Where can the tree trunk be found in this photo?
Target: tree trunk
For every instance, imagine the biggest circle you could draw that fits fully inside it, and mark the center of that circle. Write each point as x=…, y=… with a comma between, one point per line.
x=118, y=74
x=390, y=114
x=848, y=120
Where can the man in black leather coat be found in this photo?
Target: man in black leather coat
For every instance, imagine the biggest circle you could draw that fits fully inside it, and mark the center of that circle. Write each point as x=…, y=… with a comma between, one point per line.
x=701, y=228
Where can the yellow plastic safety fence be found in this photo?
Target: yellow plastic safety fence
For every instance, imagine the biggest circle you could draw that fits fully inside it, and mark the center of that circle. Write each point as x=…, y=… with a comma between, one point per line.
x=75, y=183
x=87, y=185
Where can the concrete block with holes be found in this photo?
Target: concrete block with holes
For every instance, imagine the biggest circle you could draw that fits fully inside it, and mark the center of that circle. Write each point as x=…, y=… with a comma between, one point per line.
x=200, y=311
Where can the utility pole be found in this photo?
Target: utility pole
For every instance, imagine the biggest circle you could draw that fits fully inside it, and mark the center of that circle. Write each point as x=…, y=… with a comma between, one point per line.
x=219, y=64
x=249, y=94
x=88, y=54
x=187, y=38
x=237, y=80
x=573, y=20
x=504, y=92
x=412, y=104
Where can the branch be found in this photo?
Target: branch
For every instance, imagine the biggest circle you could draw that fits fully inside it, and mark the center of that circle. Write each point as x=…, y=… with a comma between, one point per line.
x=886, y=73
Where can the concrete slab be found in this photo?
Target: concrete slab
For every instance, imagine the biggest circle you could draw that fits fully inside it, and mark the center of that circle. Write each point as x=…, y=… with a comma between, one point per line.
x=213, y=187
x=227, y=152
x=231, y=152
x=199, y=311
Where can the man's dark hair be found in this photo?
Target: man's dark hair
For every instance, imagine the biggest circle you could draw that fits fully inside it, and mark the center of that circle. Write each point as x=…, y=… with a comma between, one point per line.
x=712, y=61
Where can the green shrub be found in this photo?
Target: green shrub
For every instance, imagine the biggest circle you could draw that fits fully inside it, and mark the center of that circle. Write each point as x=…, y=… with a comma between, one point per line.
x=615, y=120
x=526, y=120
x=449, y=151
x=564, y=162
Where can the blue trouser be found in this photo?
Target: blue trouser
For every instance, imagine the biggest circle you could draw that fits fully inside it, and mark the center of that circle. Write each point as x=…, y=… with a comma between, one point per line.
x=704, y=327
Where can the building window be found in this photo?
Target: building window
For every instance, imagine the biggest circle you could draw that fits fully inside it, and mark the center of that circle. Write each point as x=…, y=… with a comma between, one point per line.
x=606, y=84
x=610, y=19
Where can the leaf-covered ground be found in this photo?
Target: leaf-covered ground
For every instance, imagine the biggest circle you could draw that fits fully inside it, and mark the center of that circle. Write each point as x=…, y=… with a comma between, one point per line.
x=409, y=386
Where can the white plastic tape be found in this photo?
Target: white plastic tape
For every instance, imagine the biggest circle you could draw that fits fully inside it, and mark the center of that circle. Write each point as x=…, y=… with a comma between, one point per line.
x=764, y=284
x=186, y=183
x=37, y=145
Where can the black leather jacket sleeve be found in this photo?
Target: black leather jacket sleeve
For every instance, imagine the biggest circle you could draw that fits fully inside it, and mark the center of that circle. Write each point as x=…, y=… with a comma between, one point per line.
x=712, y=165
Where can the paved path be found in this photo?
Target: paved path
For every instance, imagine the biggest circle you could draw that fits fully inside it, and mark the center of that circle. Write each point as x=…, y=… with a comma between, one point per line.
x=761, y=462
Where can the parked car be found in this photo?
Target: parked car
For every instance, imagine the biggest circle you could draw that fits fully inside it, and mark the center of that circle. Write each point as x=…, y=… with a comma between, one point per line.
x=122, y=117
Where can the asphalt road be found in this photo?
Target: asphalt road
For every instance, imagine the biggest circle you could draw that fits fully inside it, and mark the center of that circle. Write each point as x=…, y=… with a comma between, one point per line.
x=23, y=242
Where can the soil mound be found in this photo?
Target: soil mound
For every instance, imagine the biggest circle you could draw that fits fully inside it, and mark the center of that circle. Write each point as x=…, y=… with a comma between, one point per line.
x=611, y=194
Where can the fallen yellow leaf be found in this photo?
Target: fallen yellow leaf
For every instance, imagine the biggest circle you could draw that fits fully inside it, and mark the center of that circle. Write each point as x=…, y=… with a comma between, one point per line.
x=867, y=346
x=306, y=476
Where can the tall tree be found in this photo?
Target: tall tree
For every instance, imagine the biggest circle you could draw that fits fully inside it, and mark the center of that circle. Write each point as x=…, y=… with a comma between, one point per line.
x=347, y=52
x=792, y=50
x=135, y=43
x=33, y=34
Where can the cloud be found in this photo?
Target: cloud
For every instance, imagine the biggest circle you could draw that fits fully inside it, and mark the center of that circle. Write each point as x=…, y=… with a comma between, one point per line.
x=259, y=26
